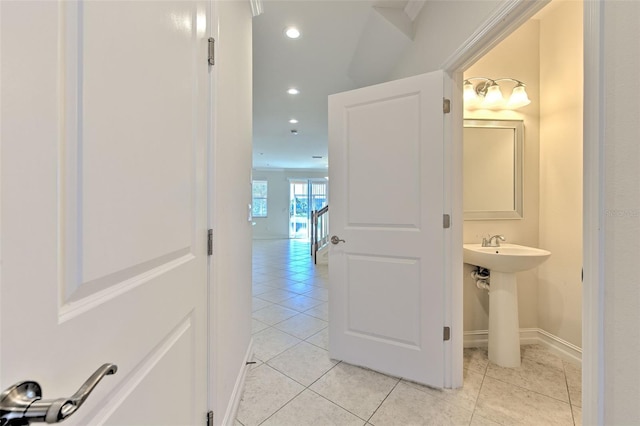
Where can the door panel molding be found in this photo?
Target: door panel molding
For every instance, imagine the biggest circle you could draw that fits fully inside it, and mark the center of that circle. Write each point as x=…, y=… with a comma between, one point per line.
x=394, y=275
x=83, y=301
x=178, y=339
x=366, y=122
x=100, y=262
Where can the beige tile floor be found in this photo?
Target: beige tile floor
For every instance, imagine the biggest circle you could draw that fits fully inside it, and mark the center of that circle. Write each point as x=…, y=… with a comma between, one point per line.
x=295, y=383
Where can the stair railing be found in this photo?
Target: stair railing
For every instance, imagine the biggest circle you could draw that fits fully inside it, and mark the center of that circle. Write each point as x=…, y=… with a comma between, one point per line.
x=319, y=231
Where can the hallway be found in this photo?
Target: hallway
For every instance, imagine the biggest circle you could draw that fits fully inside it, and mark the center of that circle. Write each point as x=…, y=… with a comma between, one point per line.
x=295, y=383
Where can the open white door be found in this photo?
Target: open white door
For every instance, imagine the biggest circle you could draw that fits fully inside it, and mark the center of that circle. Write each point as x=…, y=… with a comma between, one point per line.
x=104, y=114
x=386, y=198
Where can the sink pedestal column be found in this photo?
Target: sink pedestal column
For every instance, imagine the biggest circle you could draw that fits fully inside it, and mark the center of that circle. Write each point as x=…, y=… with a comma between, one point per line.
x=504, y=328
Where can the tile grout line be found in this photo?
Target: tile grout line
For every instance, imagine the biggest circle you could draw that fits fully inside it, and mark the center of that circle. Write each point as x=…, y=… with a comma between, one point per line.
x=566, y=382
x=304, y=387
x=382, y=402
x=475, y=404
x=290, y=347
x=273, y=326
x=334, y=402
x=529, y=390
x=283, y=405
x=291, y=281
x=291, y=378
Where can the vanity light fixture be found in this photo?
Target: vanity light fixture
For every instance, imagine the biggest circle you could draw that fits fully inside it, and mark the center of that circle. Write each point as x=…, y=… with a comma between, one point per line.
x=488, y=94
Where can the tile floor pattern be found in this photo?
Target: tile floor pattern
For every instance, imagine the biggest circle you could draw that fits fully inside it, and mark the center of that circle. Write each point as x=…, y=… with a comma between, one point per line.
x=295, y=383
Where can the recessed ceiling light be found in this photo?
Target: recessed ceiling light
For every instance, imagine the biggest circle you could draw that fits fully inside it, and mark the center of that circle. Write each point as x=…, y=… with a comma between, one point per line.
x=293, y=121
x=293, y=91
x=292, y=32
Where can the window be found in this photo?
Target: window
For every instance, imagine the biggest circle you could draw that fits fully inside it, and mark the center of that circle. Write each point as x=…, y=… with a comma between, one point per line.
x=305, y=196
x=259, y=195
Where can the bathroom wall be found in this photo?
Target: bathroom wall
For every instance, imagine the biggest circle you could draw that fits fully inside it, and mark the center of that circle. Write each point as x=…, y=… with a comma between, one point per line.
x=276, y=224
x=559, y=279
x=515, y=57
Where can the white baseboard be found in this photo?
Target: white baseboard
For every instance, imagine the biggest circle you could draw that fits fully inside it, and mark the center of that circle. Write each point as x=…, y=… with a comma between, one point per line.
x=530, y=336
x=322, y=257
x=238, y=388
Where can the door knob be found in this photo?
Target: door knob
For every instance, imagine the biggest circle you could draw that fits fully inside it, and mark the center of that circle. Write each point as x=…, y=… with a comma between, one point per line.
x=336, y=240
x=22, y=403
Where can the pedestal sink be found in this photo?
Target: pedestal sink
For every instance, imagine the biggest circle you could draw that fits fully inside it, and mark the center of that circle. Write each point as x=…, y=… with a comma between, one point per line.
x=503, y=262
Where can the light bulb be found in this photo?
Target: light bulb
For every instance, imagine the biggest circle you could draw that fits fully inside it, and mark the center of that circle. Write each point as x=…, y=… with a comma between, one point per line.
x=292, y=32
x=493, y=99
x=518, y=98
x=470, y=96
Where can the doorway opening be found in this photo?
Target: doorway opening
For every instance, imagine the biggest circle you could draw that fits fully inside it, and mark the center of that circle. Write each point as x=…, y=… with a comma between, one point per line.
x=495, y=30
x=549, y=302
x=551, y=166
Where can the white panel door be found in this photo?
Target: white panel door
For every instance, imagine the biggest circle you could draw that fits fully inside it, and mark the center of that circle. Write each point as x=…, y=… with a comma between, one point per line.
x=386, y=198
x=104, y=131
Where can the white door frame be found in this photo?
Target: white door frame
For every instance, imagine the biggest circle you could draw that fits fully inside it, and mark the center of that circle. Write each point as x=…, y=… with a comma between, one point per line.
x=504, y=20
x=212, y=283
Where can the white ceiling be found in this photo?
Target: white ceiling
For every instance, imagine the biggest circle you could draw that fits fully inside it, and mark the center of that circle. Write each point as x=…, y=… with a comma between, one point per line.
x=344, y=45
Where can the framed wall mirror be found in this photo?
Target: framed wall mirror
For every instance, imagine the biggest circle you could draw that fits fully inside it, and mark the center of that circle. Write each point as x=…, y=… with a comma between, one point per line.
x=492, y=170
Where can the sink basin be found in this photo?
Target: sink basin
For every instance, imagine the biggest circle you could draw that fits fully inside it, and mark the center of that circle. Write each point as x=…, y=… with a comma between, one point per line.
x=506, y=258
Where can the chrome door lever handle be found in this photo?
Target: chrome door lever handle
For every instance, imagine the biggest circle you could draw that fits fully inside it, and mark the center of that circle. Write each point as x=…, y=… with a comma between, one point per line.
x=335, y=240
x=22, y=403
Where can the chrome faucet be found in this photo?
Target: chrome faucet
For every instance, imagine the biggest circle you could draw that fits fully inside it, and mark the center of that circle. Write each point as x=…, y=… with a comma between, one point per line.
x=489, y=242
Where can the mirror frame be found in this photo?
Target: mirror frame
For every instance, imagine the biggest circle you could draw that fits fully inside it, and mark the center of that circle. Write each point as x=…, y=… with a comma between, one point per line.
x=518, y=127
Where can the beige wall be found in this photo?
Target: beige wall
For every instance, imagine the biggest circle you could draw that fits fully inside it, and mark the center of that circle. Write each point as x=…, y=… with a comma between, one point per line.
x=515, y=57
x=559, y=279
x=231, y=263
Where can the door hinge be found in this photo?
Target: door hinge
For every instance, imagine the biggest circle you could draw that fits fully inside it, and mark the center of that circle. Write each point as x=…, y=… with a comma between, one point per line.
x=210, y=418
x=447, y=334
x=212, y=51
x=446, y=105
x=210, y=242
x=446, y=221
